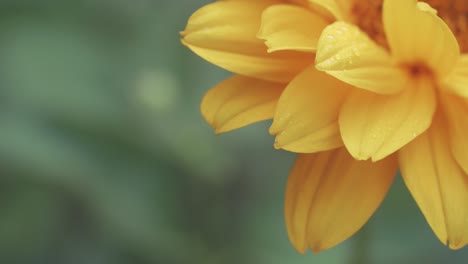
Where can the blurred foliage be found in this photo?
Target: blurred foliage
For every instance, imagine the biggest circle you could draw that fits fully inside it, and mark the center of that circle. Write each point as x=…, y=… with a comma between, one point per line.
x=106, y=159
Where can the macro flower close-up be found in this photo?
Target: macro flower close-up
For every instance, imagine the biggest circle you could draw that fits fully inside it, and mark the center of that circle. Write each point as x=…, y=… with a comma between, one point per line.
x=359, y=90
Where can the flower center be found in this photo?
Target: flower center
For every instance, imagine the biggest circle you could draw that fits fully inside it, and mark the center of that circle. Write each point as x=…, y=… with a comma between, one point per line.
x=368, y=16
x=418, y=71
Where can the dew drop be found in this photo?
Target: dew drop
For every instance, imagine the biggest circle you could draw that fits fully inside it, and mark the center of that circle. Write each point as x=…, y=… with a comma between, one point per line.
x=356, y=52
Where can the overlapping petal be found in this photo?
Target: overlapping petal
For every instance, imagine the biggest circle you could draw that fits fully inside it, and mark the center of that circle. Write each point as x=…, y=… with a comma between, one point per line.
x=438, y=184
x=240, y=101
x=288, y=27
x=416, y=34
x=329, y=196
x=337, y=8
x=457, y=80
x=224, y=33
x=306, y=118
x=332, y=9
x=374, y=126
x=348, y=54
x=456, y=114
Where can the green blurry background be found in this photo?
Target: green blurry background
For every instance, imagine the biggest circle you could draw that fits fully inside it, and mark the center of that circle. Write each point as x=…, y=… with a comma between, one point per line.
x=105, y=157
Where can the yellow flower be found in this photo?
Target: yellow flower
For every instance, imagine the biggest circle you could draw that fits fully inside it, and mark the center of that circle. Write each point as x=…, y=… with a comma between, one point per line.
x=359, y=88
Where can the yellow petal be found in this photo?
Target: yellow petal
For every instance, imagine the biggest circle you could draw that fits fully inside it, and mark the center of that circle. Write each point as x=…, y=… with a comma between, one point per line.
x=330, y=196
x=347, y=53
x=315, y=8
x=240, y=101
x=456, y=114
x=224, y=33
x=438, y=185
x=339, y=9
x=288, y=27
x=416, y=34
x=457, y=80
x=306, y=118
x=374, y=126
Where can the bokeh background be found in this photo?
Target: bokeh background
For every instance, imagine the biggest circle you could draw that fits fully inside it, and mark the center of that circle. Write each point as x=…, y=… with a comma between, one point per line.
x=105, y=157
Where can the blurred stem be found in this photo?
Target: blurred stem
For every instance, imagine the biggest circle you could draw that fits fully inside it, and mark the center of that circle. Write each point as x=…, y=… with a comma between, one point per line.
x=361, y=247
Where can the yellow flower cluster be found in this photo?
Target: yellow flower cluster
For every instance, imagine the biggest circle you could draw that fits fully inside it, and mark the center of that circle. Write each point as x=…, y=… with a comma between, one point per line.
x=359, y=89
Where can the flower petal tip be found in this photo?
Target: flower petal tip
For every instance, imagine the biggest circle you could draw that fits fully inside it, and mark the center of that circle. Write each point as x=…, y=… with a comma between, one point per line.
x=366, y=156
x=374, y=157
x=222, y=128
x=183, y=41
x=218, y=131
x=277, y=145
x=423, y=6
x=317, y=249
x=456, y=245
x=358, y=154
x=270, y=50
x=299, y=247
x=274, y=129
x=261, y=34
x=362, y=157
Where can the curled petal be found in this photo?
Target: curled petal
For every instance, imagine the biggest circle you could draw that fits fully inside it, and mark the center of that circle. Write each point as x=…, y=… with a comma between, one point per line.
x=224, y=33
x=240, y=101
x=306, y=118
x=288, y=27
x=347, y=53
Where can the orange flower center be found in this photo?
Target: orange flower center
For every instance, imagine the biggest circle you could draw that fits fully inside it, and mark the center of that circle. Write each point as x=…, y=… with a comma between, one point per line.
x=368, y=16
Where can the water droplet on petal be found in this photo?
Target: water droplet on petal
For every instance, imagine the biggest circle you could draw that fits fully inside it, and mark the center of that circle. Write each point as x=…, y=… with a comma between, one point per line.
x=356, y=52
